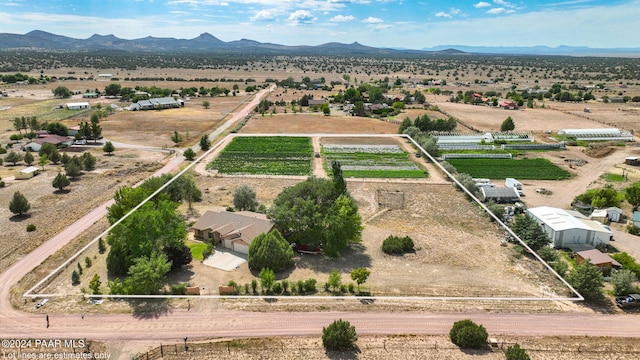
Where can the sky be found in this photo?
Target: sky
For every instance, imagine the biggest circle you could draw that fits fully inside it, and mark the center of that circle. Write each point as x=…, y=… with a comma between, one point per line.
x=380, y=23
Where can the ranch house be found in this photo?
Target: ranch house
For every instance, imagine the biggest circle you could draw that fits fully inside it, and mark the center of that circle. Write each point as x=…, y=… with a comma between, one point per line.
x=233, y=230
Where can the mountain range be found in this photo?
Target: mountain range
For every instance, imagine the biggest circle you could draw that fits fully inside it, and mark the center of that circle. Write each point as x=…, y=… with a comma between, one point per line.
x=206, y=42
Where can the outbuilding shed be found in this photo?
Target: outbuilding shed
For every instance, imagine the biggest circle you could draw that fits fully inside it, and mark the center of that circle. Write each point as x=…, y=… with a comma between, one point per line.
x=500, y=194
x=78, y=106
x=565, y=229
x=597, y=258
x=27, y=173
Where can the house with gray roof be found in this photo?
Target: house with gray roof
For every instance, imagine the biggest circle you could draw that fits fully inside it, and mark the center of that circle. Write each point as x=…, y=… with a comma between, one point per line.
x=157, y=103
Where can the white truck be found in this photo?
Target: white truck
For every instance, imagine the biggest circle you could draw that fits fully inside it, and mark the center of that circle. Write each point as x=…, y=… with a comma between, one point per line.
x=511, y=182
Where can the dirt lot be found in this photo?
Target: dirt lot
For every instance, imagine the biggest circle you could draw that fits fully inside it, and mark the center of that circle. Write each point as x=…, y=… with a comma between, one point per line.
x=408, y=347
x=316, y=123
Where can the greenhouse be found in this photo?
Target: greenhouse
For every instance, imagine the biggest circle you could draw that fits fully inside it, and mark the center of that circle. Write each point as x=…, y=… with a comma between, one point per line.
x=605, y=134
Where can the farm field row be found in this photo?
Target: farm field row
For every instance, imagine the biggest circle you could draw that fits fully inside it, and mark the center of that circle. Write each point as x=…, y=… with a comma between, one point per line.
x=265, y=155
x=373, y=161
x=526, y=169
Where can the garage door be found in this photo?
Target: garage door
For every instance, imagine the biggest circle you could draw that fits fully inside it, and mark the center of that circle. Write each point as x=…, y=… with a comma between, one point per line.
x=241, y=248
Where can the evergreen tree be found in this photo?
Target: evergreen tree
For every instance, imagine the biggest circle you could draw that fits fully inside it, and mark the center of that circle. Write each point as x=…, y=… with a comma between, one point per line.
x=108, y=148
x=507, y=125
x=189, y=154
x=205, y=144
x=28, y=158
x=19, y=204
x=60, y=181
x=338, y=180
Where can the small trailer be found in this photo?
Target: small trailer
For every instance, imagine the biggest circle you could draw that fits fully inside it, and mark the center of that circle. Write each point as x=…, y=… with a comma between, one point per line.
x=629, y=301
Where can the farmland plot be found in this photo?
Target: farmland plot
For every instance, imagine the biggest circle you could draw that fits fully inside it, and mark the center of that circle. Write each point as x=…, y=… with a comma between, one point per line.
x=275, y=155
x=526, y=169
x=373, y=161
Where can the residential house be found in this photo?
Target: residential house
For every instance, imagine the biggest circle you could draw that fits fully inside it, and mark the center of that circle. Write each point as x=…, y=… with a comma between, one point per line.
x=508, y=105
x=233, y=230
x=36, y=144
x=157, y=103
x=597, y=258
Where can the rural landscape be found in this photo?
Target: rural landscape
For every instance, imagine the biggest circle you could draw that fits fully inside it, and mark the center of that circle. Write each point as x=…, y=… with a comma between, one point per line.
x=189, y=205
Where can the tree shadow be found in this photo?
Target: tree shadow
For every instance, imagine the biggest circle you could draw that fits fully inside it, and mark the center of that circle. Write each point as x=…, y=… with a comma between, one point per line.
x=477, y=352
x=61, y=192
x=20, y=218
x=354, y=256
x=344, y=354
x=149, y=308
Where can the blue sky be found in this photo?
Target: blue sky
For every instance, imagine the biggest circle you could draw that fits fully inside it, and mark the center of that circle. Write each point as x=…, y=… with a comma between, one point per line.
x=380, y=23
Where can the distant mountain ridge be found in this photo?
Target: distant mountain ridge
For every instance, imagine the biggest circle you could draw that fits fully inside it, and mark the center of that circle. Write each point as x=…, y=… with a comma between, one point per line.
x=538, y=50
x=206, y=42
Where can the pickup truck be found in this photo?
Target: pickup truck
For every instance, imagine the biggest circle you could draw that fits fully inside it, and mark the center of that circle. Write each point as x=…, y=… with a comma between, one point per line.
x=629, y=301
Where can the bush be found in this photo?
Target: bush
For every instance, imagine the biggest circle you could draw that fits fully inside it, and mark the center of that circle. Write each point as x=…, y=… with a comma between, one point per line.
x=101, y=246
x=339, y=335
x=310, y=286
x=395, y=245
x=87, y=262
x=207, y=251
x=515, y=352
x=277, y=288
x=179, y=289
x=75, y=278
x=351, y=288
x=31, y=228
x=468, y=335
x=633, y=230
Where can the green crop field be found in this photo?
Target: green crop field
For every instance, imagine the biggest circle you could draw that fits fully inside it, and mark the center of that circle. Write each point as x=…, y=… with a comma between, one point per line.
x=525, y=169
x=373, y=161
x=266, y=155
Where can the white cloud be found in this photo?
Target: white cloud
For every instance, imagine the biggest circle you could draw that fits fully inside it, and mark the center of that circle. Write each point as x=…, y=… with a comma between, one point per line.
x=301, y=17
x=372, y=20
x=481, y=4
x=224, y=4
x=449, y=14
x=263, y=15
x=503, y=3
x=342, y=18
x=496, y=11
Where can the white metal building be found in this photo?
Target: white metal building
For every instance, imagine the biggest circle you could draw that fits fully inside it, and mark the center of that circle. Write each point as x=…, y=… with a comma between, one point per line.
x=564, y=229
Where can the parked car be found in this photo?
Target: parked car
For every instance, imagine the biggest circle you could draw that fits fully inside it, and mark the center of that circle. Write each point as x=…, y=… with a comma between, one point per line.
x=629, y=301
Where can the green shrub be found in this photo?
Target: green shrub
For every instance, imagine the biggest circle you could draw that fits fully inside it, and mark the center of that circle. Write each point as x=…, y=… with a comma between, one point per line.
x=277, y=288
x=207, y=251
x=179, y=289
x=300, y=287
x=31, y=228
x=468, y=335
x=515, y=352
x=101, y=246
x=351, y=288
x=88, y=262
x=339, y=335
x=75, y=278
x=1, y=182
x=395, y=245
x=310, y=286
x=254, y=285
x=633, y=230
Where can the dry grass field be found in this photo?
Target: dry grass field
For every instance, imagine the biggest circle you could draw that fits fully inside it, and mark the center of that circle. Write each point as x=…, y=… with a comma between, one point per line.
x=458, y=249
x=408, y=347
